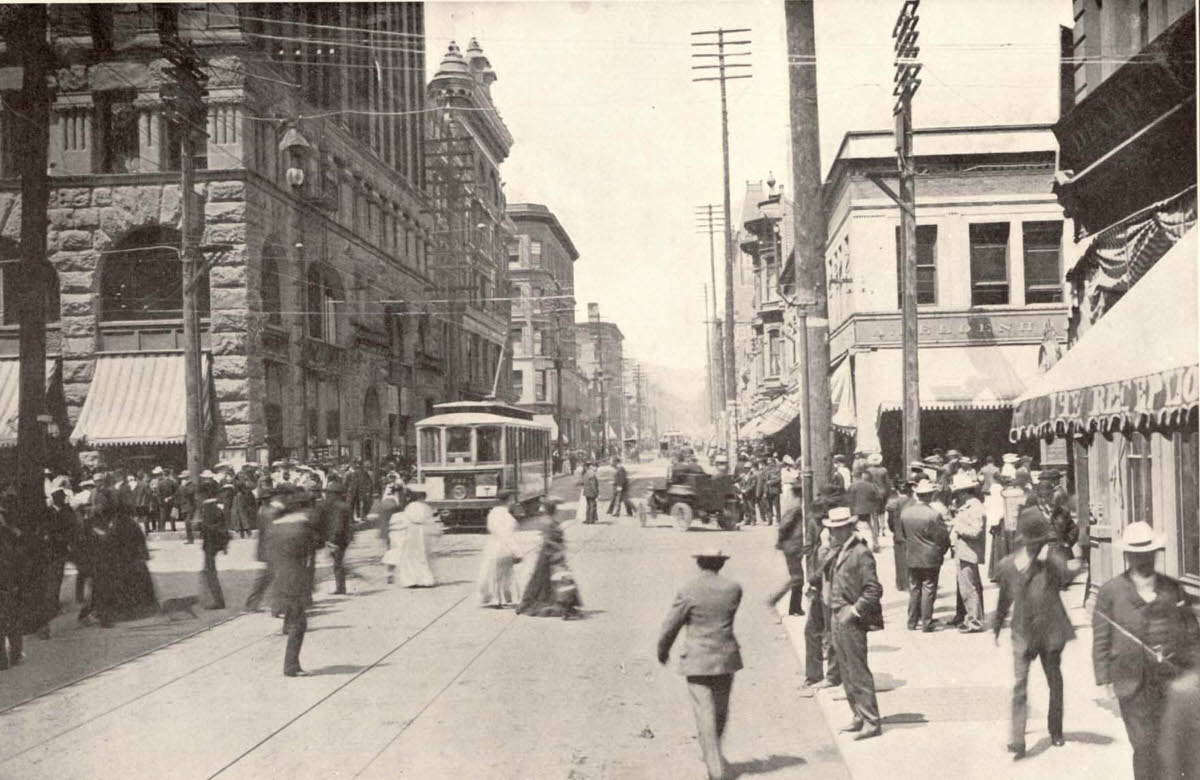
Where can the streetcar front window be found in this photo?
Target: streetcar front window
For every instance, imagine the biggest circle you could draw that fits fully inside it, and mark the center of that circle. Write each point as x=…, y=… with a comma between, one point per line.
x=458, y=445
x=488, y=444
x=431, y=449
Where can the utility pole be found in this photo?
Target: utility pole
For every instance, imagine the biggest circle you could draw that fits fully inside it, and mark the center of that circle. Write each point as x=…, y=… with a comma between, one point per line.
x=28, y=39
x=708, y=224
x=184, y=104
x=710, y=391
x=812, y=307
x=722, y=66
x=637, y=385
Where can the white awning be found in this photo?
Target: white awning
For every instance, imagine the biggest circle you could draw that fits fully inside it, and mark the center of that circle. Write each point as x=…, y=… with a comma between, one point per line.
x=139, y=399
x=1138, y=362
x=841, y=397
x=547, y=420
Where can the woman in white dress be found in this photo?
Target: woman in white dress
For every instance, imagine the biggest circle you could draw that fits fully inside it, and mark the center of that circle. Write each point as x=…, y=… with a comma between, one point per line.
x=497, y=586
x=406, y=555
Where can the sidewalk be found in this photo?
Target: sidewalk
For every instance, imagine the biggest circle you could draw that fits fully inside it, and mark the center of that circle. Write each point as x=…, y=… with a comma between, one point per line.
x=945, y=698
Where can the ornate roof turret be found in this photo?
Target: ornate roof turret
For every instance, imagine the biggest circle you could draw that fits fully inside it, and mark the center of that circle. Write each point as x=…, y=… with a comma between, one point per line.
x=453, y=63
x=480, y=65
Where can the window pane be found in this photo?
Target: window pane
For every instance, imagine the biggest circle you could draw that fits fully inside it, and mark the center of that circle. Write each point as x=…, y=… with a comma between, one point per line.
x=989, y=264
x=926, y=266
x=430, y=446
x=1043, y=275
x=458, y=444
x=488, y=443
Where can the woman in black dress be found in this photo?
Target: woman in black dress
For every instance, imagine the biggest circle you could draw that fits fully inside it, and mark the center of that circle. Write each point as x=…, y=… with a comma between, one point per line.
x=551, y=591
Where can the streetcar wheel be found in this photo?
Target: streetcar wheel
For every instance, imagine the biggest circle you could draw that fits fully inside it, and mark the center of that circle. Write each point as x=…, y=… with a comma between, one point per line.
x=681, y=514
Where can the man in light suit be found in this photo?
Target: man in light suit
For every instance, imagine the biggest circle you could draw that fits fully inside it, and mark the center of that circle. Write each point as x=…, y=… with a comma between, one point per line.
x=707, y=606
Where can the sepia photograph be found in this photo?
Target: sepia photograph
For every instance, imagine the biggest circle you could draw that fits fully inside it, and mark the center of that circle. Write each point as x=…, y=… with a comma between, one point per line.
x=599, y=389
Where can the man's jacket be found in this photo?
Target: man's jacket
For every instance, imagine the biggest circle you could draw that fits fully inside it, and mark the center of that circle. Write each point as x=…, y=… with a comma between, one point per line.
x=706, y=605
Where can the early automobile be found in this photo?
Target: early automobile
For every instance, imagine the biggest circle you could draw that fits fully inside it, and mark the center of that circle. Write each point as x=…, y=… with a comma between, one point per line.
x=695, y=496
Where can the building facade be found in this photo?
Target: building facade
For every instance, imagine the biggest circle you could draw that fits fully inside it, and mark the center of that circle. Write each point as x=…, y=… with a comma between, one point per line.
x=541, y=273
x=600, y=347
x=314, y=229
x=1124, y=396
x=467, y=141
x=990, y=245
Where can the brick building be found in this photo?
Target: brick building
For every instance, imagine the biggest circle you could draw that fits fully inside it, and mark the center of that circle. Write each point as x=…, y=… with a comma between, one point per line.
x=315, y=226
x=600, y=346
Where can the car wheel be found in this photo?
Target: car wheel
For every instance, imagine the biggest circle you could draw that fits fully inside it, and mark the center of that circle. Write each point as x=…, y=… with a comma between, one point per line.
x=681, y=514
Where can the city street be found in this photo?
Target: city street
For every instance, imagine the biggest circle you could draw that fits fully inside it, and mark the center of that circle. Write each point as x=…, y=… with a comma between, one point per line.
x=423, y=683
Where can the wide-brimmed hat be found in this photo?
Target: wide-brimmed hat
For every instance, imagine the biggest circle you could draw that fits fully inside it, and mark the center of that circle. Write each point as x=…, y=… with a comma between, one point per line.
x=87, y=482
x=962, y=481
x=1033, y=526
x=156, y=470
x=1050, y=475
x=874, y=459
x=711, y=553
x=951, y=454
x=837, y=517
x=839, y=458
x=206, y=474
x=1011, y=457
x=924, y=487
x=1141, y=537
x=934, y=460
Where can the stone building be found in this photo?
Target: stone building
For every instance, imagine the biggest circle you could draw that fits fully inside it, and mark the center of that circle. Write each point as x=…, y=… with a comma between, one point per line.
x=600, y=346
x=315, y=231
x=541, y=274
x=467, y=142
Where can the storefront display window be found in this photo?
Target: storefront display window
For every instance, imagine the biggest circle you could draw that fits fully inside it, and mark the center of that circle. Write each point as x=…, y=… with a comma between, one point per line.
x=1137, y=484
x=1187, y=477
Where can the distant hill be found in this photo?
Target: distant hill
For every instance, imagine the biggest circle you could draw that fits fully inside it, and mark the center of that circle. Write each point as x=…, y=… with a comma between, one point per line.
x=679, y=398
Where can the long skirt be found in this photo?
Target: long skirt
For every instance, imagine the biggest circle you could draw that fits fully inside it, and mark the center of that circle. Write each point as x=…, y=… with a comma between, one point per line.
x=411, y=560
x=1002, y=545
x=497, y=583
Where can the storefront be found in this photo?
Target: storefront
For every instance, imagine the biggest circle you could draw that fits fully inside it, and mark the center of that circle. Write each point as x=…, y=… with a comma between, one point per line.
x=1126, y=397
x=54, y=418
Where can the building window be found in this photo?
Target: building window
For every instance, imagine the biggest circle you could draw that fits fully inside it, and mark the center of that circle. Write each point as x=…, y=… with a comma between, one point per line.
x=989, y=264
x=117, y=131
x=1043, y=274
x=173, y=148
x=11, y=274
x=539, y=386
x=518, y=342
x=1143, y=26
x=273, y=375
x=537, y=342
x=272, y=302
x=143, y=279
x=514, y=255
x=773, y=353
x=1138, y=463
x=518, y=383
x=926, y=267
x=771, y=277
x=535, y=254
x=324, y=293
x=1187, y=500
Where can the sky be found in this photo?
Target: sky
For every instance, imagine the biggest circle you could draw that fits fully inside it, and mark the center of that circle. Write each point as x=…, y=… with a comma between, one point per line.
x=614, y=137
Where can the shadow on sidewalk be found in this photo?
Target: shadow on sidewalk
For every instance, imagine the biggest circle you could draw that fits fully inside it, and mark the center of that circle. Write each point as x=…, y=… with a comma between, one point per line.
x=1086, y=737
x=761, y=766
x=339, y=669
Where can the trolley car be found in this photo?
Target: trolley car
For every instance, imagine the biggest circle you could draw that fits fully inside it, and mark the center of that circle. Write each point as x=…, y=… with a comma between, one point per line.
x=471, y=451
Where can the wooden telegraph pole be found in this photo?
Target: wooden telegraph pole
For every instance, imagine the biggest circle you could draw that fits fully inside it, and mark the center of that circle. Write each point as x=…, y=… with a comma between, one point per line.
x=28, y=37
x=722, y=55
x=184, y=104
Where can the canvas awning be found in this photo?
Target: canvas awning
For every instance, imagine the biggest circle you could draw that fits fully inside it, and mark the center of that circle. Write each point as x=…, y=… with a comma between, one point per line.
x=772, y=418
x=10, y=394
x=139, y=399
x=548, y=421
x=841, y=397
x=987, y=376
x=1136, y=364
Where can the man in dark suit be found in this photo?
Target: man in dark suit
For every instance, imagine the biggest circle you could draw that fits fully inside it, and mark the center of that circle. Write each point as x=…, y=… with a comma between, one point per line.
x=620, y=496
x=926, y=540
x=1144, y=633
x=707, y=606
x=854, y=606
x=791, y=544
x=292, y=541
x=333, y=513
x=591, y=492
x=1031, y=581
x=863, y=497
x=820, y=659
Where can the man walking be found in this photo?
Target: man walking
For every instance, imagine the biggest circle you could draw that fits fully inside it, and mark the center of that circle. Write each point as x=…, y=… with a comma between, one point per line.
x=271, y=509
x=620, y=496
x=214, y=538
x=791, y=544
x=591, y=492
x=1031, y=582
x=292, y=542
x=854, y=603
x=1144, y=635
x=707, y=606
x=863, y=498
x=334, y=514
x=925, y=543
x=967, y=533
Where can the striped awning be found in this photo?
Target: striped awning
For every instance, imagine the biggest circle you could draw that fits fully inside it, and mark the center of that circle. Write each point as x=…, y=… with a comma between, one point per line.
x=10, y=394
x=139, y=399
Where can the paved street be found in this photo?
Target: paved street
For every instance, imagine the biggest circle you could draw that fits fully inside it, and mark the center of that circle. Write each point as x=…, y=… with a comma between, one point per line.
x=423, y=683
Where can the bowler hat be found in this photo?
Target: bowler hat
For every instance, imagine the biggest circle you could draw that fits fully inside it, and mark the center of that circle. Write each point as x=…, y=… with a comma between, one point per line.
x=1033, y=527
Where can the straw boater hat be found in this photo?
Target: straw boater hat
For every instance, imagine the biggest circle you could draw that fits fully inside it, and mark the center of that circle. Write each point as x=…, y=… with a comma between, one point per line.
x=1140, y=537
x=875, y=459
x=1011, y=457
x=837, y=517
x=711, y=553
x=962, y=481
x=924, y=487
x=789, y=460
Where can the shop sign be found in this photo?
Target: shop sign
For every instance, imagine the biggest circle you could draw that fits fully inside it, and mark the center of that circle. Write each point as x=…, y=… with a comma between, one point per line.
x=962, y=329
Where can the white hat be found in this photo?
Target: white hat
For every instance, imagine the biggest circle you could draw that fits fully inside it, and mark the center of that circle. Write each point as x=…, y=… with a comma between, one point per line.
x=156, y=470
x=1140, y=537
x=1011, y=457
x=874, y=459
x=206, y=474
x=788, y=460
x=838, y=516
x=924, y=486
x=962, y=481
x=711, y=552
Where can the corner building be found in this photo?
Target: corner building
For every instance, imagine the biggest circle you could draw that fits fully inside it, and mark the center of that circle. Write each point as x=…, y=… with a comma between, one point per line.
x=315, y=226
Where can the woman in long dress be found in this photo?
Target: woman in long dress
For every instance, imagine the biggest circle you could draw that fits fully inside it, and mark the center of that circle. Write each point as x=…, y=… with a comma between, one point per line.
x=496, y=582
x=551, y=591
x=406, y=555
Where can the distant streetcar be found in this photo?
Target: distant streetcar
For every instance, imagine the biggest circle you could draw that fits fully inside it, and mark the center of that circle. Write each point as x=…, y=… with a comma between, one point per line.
x=471, y=451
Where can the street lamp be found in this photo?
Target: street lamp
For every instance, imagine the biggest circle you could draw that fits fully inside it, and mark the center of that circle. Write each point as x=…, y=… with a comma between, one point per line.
x=296, y=148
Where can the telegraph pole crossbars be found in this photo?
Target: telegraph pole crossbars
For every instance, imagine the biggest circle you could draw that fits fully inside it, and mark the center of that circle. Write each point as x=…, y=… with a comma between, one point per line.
x=723, y=75
x=709, y=223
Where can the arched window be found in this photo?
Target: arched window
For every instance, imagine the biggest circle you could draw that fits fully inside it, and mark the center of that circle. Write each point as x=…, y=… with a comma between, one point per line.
x=11, y=274
x=273, y=261
x=143, y=278
x=324, y=293
x=372, y=415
